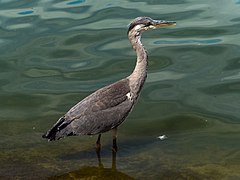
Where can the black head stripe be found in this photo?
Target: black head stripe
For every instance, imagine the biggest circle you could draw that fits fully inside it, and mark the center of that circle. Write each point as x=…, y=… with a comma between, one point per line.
x=139, y=20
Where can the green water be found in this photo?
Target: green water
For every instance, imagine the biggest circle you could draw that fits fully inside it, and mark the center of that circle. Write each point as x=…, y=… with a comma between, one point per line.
x=54, y=53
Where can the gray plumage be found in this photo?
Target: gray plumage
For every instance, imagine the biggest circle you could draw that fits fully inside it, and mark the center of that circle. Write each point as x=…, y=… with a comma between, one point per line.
x=107, y=108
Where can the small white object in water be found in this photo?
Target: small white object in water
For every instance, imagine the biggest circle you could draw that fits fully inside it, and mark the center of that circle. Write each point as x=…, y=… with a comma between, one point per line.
x=162, y=137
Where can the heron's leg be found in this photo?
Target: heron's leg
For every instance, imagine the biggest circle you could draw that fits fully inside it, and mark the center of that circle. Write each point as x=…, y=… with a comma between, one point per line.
x=98, y=151
x=114, y=146
x=98, y=143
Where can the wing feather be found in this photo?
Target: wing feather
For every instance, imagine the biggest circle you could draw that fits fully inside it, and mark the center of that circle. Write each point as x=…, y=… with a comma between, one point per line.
x=104, y=98
x=101, y=111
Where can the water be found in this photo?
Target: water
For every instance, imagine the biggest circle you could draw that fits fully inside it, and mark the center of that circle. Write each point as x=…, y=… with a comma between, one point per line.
x=54, y=53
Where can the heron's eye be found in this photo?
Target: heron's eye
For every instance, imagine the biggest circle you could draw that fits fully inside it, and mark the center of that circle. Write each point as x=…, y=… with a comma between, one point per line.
x=148, y=24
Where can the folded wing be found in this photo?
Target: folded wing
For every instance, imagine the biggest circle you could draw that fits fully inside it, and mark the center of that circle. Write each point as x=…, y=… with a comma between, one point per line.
x=101, y=111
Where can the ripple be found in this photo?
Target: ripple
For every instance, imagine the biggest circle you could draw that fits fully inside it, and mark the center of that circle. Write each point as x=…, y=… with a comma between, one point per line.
x=233, y=77
x=189, y=41
x=19, y=26
x=76, y=2
x=26, y=12
x=164, y=75
x=62, y=53
x=67, y=4
x=40, y=73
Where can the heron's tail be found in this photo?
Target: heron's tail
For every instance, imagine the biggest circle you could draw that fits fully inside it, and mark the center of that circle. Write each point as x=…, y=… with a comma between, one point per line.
x=59, y=130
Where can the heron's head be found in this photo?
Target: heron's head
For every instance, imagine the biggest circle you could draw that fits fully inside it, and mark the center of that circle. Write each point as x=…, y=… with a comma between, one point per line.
x=141, y=24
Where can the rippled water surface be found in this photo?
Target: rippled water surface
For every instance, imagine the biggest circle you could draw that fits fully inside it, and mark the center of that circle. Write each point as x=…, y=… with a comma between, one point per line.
x=54, y=53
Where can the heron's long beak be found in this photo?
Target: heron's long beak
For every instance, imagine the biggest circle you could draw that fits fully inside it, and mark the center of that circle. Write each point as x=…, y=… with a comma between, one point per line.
x=161, y=23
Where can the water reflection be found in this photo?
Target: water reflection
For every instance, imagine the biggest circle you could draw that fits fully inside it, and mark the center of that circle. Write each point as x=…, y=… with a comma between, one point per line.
x=96, y=172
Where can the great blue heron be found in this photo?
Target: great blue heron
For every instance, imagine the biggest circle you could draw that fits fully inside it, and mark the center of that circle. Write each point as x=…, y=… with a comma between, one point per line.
x=107, y=108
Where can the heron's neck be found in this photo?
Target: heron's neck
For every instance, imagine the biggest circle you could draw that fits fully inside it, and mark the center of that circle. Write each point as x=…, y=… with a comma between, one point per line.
x=138, y=77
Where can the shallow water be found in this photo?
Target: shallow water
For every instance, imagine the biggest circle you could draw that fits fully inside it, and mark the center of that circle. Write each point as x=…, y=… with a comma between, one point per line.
x=54, y=53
